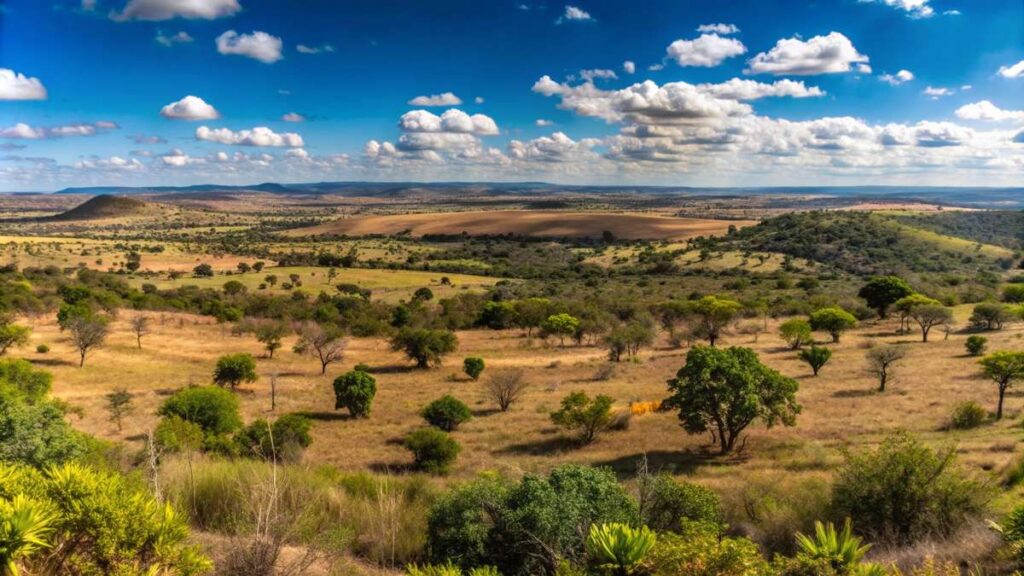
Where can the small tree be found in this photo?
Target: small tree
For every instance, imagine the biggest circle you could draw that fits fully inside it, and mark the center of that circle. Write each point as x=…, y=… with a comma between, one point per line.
x=203, y=271
x=585, y=416
x=140, y=327
x=87, y=332
x=725, y=391
x=12, y=336
x=882, y=292
x=473, y=367
x=905, y=308
x=270, y=335
x=258, y=266
x=560, y=325
x=506, y=387
x=233, y=369
x=796, y=332
x=427, y=347
x=325, y=343
x=976, y=345
x=991, y=315
x=833, y=320
x=713, y=315
x=214, y=409
x=270, y=279
x=355, y=391
x=1003, y=368
x=882, y=360
x=433, y=450
x=423, y=294
x=815, y=357
x=119, y=405
x=446, y=413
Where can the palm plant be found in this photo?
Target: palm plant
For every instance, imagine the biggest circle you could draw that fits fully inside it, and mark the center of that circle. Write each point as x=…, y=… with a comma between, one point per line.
x=619, y=549
x=842, y=550
x=24, y=527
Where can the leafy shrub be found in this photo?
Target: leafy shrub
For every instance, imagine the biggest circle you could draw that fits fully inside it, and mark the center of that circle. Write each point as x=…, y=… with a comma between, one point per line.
x=586, y=417
x=233, y=369
x=618, y=549
x=904, y=490
x=42, y=349
x=432, y=450
x=705, y=553
x=967, y=415
x=976, y=345
x=1012, y=529
x=448, y=570
x=425, y=346
x=285, y=439
x=173, y=434
x=355, y=391
x=771, y=507
x=473, y=367
x=667, y=505
x=796, y=332
x=839, y=550
x=214, y=409
x=816, y=357
x=446, y=413
x=833, y=320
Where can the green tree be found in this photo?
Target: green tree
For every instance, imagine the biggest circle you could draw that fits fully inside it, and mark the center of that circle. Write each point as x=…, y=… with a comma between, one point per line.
x=12, y=336
x=585, y=416
x=355, y=391
x=87, y=332
x=282, y=440
x=498, y=315
x=203, y=271
x=975, y=345
x=796, y=332
x=214, y=409
x=1003, y=368
x=815, y=357
x=270, y=335
x=473, y=367
x=991, y=315
x=712, y=315
x=446, y=413
x=531, y=312
x=233, y=369
x=881, y=292
x=119, y=405
x=433, y=450
x=1014, y=293
x=905, y=308
x=725, y=391
x=233, y=288
x=833, y=320
x=425, y=346
x=560, y=325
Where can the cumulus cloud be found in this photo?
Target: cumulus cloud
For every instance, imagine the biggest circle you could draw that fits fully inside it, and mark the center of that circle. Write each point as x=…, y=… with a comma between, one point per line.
x=629, y=67
x=936, y=93
x=189, y=108
x=833, y=53
x=15, y=86
x=901, y=77
x=598, y=73
x=708, y=50
x=168, y=9
x=478, y=100
x=1012, y=71
x=443, y=99
x=179, y=38
x=293, y=117
x=985, y=110
x=743, y=89
x=259, y=136
x=453, y=120
x=24, y=131
x=913, y=8
x=719, y=28
x=551, y=149
x=542, y=122
x=304, y=49
x=110, y=163
x=257, y=45
x=574, y=13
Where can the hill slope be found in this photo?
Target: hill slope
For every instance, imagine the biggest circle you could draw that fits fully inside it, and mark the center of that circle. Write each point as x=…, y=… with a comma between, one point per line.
x=105, y=206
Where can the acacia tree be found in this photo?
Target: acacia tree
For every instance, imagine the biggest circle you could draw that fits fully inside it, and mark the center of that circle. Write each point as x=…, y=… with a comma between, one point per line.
x=233, y=369
x=1003, y=368
x=427, y=347
x=833, y=320
x=796, y=332
x=882, y=360
x=882, y=292
x=270, y=334
x=12, y=336
x=712, y=314
x=325, y=343
x=725, y=390
x=140, y=327
x=930, y=315
x=87, y=332
x=561, y=325
x=815, y=357
x=905, y=308
x=585, y=416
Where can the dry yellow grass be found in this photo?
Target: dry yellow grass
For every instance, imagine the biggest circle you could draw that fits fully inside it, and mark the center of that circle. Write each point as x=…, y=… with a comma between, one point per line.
x=542, y=223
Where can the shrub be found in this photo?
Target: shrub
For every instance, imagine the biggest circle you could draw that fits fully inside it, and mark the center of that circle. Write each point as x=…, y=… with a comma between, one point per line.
x=705, y=553
x=967, y=415
x=426, y=347
x=473, y=367
x=448, y=569
x=505, y=388
x=816, y=357
x=214, y=409
x=1012, y=529
x=355, y=391
x=991, y=315
x=233, y=369
x=670, y=506
x=976, y=345
x=904, y=490
x=42, y=349
x=585, y=416
x=1014, y=293
x=285, y=439
x=833, y=320
x=560, y=325
x=796, y=332
x=173, y=434
x=432, y=450
x=446, y=413
x=618, y=549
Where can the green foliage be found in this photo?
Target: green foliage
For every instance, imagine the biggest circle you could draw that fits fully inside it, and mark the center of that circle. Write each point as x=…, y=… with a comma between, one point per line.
x=725, y=391
x=25, y=528
x=446, y=413
x=1012, y=529
x=233, y=369
x=881, y=292
x=815, y=357
x=42, y=349
x=991, y=315
x=18, y=378
x=904, y=490
x=712, y=314
x=119, y=404
x=1013, y=293
x=448, y=569
x=796, y=332
x=355, y=391
x=967, y=414
x=498, y=315
x=425, y=346
x=841, y=550
x=203, y=271
x=270, y=334
x=667, y=505
x=975, y=345
x=618, y=549
x=432, y=450
x=473, y=367
x=12, y=336
x=1003, y=368
x=285, y=439
x=833, y=320
x=173, y=434
x=33, y=429
x=560, y=325
x=214, y=409
x=586, y=417
x=705, y=553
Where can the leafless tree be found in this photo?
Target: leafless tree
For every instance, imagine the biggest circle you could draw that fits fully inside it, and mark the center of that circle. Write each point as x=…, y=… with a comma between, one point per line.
x=326, y=344
x=506, y=387
x=882, y=360
x=140, y=326
x=86, y=334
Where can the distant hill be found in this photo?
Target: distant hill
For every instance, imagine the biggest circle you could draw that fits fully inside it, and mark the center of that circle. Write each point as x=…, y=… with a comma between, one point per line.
x=105, y=206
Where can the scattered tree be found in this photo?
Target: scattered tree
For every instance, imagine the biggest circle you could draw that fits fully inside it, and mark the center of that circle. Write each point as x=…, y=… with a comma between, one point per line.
x=425, y=346
x=354, y=391
x=325, y=343
x=270, y=335
x=816, y=357
x=712, y=315
x=203, y=271
x=991, y=315
x=560, y=325
x=214, y=409
x=796, y=332
x=1003, y=368
x=976, y=345
x=12, y=336
x=506, y=387
x=87, y=332
x=833, y=320
x=585, y=416
x=446, y=413
x=883, y=291
x=882, y=360
x=140, y=327
x=119, y=405
x=233, y=369
x=433, y=450
x=473, y=367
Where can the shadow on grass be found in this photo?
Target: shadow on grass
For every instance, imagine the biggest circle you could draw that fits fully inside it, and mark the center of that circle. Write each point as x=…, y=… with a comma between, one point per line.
x=393, y=369
x=327, y=416
x=855, y=393
x=553, y=445
x=484, y=412
x=670, y=461
x=52, y=362
x=392, y=468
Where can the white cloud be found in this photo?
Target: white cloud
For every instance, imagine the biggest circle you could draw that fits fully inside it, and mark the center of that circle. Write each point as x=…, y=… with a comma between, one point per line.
x=293, y=117
x=719, y=28
x=168, y=9
x=299, y=153
x=258, y=45
x=88, y=5
x=23, y=131
x=602, y=73
x=936, y=93
x=629, y=67
x=985, y=110
x=542, y=122
x=259, y=136
x=112, y=163
x=864, y=68
x=1012, y=71
x=829, y=54
x=179, y=38
x=443, y=99
x=304, y=49
x=574, y=13
x=742, y=89
x=951, y=13
x=901, y=77
x=15, y=86
x=557, y=148
x=453, y=121
x=708, y=50
x=479, y=100
x=177, y=158
x=656, y=67
x=913, y=8
x=190, y=108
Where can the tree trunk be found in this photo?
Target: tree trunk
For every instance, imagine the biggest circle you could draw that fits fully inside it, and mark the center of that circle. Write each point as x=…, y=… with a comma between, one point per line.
x=999, y=408
x=81, y=361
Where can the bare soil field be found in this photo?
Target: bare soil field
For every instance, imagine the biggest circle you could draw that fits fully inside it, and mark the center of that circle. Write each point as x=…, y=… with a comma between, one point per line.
x=539, y=223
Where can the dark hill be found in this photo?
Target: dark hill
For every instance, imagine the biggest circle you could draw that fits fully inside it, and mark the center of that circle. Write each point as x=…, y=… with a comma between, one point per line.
x=105, y=206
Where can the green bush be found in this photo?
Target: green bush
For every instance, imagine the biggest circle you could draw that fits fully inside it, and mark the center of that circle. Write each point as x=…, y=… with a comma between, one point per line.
x=1014, y=293
x=426, y=347
x=473, y=367
x=446, y=413
x=42, y=349
x=233, y=369
x=432, y=450
x=214, y=409
x=833, y=320
x=1013, y=531
x=173, y=434
x=976, y=345
x=355, y=391
x=586, y=417
x=705, y=553
x=967, y=415
x=667, y=505
x=618, y=549
x=285, y=439
x=796, y=332
x=816, y=357
x=904, y=490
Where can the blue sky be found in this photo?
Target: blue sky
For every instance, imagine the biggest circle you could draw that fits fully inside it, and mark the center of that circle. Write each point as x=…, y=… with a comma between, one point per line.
x=765, y=93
